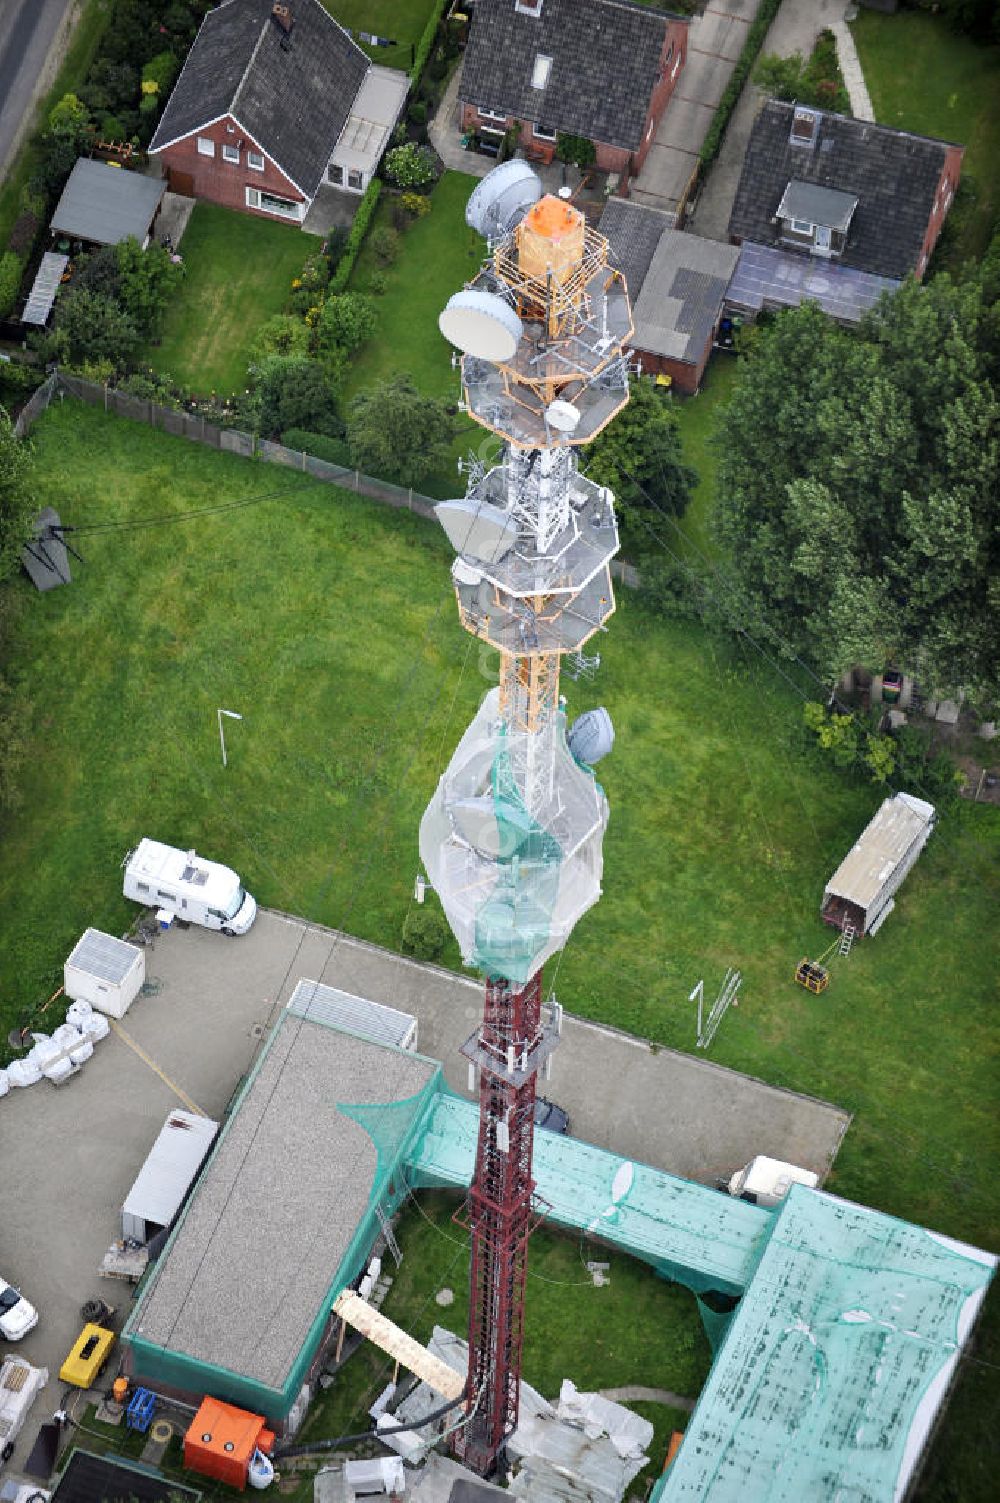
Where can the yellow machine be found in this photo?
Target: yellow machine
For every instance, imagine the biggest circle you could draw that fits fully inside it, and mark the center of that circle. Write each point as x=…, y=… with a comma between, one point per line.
x=87, y=1356
x=813, y=976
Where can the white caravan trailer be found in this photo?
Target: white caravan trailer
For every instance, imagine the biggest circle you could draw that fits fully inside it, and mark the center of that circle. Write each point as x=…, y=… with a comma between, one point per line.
x=766, y=1182
x=860, y=894
x=203, y=892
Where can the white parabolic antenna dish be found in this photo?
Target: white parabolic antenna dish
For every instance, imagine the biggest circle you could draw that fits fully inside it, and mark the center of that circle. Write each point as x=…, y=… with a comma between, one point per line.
x=481, y=324
x=502, y=199
x=562, y=416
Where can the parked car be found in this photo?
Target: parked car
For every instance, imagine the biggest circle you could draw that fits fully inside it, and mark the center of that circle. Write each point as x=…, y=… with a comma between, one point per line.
x=17, y=1315
x=550, y=1116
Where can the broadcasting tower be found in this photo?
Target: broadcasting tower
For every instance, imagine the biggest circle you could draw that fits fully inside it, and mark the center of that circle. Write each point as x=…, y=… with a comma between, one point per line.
x=512, y=838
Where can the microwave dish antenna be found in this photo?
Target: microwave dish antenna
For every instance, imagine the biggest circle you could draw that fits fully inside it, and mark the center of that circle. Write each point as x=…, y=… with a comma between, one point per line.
x=481, y=324
x=562, y=417
x=502, y=199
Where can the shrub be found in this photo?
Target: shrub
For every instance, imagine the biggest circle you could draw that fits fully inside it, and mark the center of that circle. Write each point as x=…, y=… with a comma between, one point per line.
x=319, y=445
x=90, y=327
x=162, y=71
x=410, y=166
x=385, y=245
x=425, y=931
x=295, y=393
x=359, y=229
x=280, y=335
x=426, y=42
x=418, y=112
x=10, y=281
x=438, y=68
x=395, y=431
x=378, y=282
x=575, y=149
x=346, y=321
x=416, y=204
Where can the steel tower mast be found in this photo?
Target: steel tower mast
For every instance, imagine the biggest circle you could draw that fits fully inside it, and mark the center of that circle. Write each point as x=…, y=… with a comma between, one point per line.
x=512, y=839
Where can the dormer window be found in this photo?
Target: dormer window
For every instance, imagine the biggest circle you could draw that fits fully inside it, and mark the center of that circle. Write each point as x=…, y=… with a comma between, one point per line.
x=540, y=72
x=805, y=125
x=528, y=7
x=816, y=218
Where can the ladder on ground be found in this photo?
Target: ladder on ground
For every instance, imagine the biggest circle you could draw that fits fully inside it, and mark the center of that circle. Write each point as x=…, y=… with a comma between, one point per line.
x=389, y=1235
x=846, y=939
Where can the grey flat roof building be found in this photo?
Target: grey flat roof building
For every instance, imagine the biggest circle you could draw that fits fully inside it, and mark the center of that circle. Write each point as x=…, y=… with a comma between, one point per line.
x=255, y=1254
x=106, y=204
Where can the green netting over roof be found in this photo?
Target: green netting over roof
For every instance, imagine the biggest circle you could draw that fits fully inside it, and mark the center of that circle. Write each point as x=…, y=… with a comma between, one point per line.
x=694, y=1235
x=836, y=1360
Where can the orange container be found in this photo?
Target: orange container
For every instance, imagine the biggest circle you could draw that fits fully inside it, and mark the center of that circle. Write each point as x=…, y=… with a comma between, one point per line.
x=550, y=238
x=221, y=1441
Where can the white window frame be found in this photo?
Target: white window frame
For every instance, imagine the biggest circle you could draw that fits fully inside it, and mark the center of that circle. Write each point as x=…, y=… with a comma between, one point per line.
x=255, y=200
x=542, y=70
x=230, y=153
x=485, y=114
x=802, y=227
x=206, y=147
x=544, y=135
x=528, y=7
x=255, y=160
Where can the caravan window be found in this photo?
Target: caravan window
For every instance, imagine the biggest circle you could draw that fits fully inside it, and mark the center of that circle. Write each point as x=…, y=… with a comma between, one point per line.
x=142, y=886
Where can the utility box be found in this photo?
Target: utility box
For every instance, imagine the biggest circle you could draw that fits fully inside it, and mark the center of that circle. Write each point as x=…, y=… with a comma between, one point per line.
x=221, y=1442
x=383, y=1474
x=104, y=971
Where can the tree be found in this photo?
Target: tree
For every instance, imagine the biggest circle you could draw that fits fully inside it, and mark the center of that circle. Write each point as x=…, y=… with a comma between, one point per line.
x=295, y=393
x=393, y=430
x=17, y=501
x=90, y=327
x=147, y=280
x=858, y=491
x=346, y=321
x=279, y=335
x=578, y=149
x=639, y=456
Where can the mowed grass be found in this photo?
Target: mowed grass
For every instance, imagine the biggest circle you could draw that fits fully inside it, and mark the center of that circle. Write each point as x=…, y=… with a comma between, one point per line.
x=698, y=419
x=402, y=21
x=329, y=623
x=924, y=77
x=239, y=271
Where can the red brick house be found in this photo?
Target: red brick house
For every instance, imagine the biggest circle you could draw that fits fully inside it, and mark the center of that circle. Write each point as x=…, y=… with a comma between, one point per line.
x=275, y=99
x=602, y=69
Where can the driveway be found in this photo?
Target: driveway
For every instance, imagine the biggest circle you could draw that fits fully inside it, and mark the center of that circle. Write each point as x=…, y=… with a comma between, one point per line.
x=33, y=34
x=71, y=1153
x=794, y=29
x=714, y=44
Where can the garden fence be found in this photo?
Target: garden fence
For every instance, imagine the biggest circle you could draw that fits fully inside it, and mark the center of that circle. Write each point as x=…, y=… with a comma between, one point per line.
x=232, y=441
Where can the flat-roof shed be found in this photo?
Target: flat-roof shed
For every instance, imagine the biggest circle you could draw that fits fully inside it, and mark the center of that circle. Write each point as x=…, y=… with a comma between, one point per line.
x=105, y=204
x=167, y=1175
x=677, y=283
x=281, y=1220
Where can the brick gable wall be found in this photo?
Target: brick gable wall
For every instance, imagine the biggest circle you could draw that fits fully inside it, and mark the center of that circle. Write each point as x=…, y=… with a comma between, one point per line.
x=223, y=182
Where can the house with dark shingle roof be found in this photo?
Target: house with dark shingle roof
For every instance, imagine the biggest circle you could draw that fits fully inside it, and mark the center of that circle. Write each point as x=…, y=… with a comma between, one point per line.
x=601, y=69
x=845, y=192
x=274, y=100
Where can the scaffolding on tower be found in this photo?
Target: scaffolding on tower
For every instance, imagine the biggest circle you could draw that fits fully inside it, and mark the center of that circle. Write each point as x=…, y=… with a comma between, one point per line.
x=512, y=838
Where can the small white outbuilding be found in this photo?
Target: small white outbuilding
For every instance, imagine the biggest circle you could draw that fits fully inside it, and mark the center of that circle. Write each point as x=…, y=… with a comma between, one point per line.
x=104, y=971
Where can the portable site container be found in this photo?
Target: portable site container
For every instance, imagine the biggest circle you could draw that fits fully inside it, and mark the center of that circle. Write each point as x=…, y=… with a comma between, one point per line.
x=168, y=1173
x=860, y=894
x=104, y=971
x=337, y=1009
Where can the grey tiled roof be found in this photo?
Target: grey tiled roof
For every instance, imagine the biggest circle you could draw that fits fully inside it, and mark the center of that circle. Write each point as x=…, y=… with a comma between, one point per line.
x=893, y=174
x=105, y=204
x=605, y=57
x=677, y=281
x=293, y=100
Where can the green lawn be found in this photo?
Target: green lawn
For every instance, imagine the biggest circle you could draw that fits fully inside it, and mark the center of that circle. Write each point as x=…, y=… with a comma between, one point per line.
x=698, y=416
x=401, y=20
x=923, y=77
x=330, y=624
x=239, y=272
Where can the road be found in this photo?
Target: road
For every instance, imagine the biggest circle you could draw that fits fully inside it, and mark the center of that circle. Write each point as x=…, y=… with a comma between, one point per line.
x=28, y=30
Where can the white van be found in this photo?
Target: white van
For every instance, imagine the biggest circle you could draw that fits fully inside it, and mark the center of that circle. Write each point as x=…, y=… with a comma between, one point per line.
x=203, y=892
x=766, y=1182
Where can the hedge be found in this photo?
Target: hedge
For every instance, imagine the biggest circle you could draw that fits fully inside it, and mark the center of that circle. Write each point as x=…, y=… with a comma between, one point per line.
x=10, y=281
x=734, y=88
x=333, y=450
x=426, y=42
x=362, y=219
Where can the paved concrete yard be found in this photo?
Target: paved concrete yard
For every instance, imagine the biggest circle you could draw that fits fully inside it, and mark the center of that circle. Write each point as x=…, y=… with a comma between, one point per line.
x=71, y=1153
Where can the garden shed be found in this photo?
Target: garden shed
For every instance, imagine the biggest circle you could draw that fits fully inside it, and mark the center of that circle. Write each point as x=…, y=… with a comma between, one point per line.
x=860, y=892
x=104, y=971
x=103, y=204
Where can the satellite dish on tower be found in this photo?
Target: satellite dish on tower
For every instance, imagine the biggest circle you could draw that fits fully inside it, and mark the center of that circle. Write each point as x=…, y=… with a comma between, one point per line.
x=591, y=736
x=481, y=324
x=502, y=199
x=562, y=416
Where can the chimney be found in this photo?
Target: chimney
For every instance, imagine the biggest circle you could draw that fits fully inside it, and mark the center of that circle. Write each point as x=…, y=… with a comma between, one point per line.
x=281, y=15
